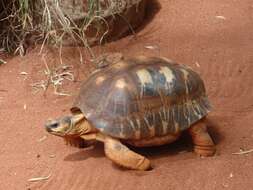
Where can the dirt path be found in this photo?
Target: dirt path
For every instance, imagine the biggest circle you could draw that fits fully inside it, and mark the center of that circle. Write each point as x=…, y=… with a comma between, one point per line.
x=214, y=37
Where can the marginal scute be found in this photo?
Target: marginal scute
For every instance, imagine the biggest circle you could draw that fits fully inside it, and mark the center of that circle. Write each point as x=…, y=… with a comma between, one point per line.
x=143, y=97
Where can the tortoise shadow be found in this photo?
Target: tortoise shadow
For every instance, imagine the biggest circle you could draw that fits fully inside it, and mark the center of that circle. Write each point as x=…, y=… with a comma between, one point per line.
x=213, y=129
x=183, y=144
x=95, y=151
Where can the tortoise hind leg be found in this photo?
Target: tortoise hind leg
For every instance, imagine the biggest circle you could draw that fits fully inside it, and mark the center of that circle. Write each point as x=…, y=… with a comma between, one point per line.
x=123, y=156
x=119, y=153
x=203, y=143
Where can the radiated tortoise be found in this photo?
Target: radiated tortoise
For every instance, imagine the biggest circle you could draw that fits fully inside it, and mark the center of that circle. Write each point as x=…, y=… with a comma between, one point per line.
x=141, y=101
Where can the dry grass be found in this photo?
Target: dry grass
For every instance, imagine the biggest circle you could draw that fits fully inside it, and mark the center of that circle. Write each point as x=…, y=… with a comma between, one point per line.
x=22, y=19
x=23, y=22
x=47, y=22
x=55, y=77
x=27, y=22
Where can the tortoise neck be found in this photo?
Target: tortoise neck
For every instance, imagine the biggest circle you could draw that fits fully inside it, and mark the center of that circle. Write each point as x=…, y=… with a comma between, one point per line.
x=84, y=127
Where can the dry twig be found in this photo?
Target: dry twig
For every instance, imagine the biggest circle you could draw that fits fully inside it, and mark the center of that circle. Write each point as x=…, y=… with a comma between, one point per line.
x=35, y=179
x=243, y=152
x=55, y=77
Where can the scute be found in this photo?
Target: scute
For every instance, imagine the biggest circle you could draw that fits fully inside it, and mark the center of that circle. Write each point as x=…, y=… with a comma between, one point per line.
x=143, y=97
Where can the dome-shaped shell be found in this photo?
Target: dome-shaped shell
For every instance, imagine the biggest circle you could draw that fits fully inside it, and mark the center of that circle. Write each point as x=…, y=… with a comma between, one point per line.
x=142, y=98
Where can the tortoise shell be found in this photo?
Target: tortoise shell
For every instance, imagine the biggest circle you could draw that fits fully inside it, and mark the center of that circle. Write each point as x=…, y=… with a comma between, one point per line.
x=143, y=97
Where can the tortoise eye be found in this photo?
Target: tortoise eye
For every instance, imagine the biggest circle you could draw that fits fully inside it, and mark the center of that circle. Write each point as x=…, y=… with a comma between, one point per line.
x=54, y=125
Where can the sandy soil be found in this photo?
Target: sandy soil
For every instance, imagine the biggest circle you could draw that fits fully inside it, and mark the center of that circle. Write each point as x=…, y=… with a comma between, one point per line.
x=213, y=37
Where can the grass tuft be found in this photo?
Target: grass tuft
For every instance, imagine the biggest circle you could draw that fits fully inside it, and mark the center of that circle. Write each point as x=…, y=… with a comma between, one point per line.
x=50, y=22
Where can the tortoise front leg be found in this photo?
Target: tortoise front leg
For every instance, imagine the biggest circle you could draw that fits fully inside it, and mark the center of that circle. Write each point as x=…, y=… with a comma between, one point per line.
x=119, y=153
x=203, y=143
x=123, y=156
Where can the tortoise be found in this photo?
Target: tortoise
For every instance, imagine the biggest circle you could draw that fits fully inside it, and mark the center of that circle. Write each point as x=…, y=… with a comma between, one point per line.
x=139, y=101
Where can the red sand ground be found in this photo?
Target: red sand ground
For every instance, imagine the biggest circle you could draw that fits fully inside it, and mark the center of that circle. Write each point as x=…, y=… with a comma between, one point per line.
x=187, y=31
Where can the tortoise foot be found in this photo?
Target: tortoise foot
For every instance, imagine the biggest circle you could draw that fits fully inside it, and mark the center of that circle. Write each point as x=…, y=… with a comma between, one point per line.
x=123, y=156
x=203, y=143
x=204, y=150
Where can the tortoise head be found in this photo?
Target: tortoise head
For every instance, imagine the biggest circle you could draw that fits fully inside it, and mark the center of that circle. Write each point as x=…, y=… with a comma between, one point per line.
x=68, y=126
x=71, y=128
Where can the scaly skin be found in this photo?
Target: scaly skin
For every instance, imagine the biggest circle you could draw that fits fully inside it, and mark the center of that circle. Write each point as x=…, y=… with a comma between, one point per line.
x=119, y=153
x=203, y=143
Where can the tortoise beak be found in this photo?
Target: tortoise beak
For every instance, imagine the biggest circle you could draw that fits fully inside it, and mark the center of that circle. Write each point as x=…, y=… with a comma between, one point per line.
x=48, y=129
